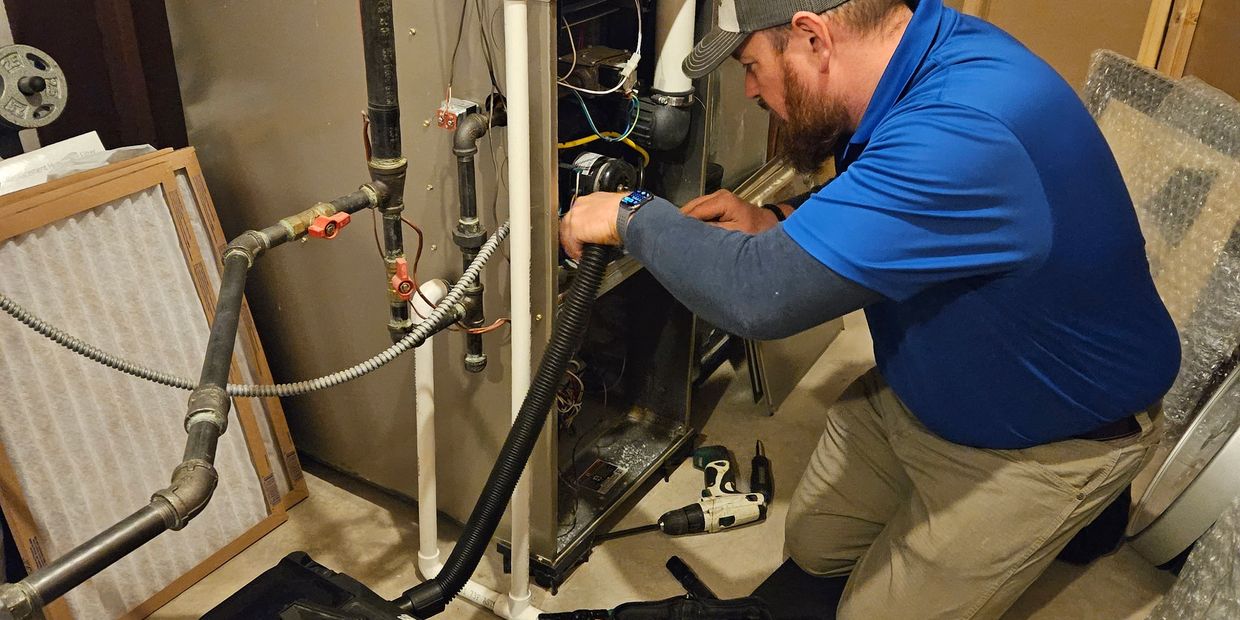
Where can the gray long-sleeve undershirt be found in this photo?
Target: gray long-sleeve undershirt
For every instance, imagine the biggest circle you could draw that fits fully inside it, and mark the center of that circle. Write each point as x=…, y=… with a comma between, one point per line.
x=761, y=287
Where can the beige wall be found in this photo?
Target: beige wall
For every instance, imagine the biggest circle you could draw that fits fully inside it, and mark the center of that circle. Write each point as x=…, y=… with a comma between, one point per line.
x=1066, y=32
x=1216, y=43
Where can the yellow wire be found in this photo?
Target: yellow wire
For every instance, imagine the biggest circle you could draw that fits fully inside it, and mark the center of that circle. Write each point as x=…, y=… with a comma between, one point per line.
x=608, y=134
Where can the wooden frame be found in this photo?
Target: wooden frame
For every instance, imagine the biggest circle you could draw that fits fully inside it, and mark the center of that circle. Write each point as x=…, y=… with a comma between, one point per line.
x=55, y=200
x=1179, y=38
x=1155, y=32
x=43, y=204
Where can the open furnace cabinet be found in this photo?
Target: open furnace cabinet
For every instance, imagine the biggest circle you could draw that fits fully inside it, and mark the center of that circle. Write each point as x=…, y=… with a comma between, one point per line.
x=623, y=417
x=246, y=110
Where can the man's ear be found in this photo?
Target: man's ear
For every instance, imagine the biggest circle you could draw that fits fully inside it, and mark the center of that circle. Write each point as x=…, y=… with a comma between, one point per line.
x=813, y=32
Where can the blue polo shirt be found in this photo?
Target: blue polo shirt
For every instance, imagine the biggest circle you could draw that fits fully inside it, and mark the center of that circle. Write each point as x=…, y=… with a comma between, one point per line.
x=980, y=199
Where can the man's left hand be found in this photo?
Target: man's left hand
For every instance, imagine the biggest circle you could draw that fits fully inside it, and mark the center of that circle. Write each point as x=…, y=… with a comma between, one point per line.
x=592, y=219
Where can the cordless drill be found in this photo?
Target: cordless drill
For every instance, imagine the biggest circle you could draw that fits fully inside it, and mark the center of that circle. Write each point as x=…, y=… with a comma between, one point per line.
x=722, y=506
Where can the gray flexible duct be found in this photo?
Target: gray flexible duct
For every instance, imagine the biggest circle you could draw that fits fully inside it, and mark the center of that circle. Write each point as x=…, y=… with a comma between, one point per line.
x=440, y=317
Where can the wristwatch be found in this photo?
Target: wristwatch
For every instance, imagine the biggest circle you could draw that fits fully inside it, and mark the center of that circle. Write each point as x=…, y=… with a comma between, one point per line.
x=779, y=213
x=629, y=206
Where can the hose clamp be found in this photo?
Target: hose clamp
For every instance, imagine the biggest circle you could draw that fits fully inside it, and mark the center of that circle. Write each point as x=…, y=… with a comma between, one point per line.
x=676, y=101
x=209, y=403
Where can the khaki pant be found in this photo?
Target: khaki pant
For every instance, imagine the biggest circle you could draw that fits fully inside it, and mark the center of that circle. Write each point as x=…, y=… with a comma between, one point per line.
x=927, y=528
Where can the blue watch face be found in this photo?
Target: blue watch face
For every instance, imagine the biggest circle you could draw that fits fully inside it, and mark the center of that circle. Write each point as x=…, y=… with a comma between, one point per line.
x=636, y=197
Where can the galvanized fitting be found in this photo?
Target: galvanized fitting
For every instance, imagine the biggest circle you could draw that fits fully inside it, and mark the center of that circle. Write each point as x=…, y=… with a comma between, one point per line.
x=19, y=601
x=208, y=403
x=249, y=244
x=468, y=131
x=193, y=482
x=388, y=165
x=374, y=194
x=475, y=362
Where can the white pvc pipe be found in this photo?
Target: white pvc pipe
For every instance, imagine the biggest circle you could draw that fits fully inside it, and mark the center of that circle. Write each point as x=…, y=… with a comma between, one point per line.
x=516, y=61
x=428, y=517
x=429, y=563
x=673, y=40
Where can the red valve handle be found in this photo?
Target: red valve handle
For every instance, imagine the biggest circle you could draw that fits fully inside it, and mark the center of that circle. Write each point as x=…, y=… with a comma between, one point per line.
x=327, y=227
x=401, y=282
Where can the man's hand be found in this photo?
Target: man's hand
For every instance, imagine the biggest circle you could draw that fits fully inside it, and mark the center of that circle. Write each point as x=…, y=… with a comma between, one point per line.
x=725, y=210
x=592, y=219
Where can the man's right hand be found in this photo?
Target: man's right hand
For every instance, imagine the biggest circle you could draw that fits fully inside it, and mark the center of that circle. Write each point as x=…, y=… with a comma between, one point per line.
x=725, y=210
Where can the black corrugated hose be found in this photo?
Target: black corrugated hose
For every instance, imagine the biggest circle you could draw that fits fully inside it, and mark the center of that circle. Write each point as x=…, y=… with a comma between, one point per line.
x=430, y=597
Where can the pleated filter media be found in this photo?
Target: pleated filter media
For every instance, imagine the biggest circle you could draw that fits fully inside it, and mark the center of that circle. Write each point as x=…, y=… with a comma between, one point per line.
x=1178, y=145
x=89, y=445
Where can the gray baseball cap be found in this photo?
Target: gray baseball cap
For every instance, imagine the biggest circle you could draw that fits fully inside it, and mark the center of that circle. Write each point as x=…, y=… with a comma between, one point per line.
x=738, y=19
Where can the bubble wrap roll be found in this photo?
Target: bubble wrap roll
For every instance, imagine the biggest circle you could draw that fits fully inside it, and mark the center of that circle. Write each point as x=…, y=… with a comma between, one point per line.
x=1178, y=145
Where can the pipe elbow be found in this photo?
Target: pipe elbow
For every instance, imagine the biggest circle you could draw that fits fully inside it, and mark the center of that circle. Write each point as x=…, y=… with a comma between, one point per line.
x=662, y=126
x=193, y=483
x=249, y=244
x=468, y=131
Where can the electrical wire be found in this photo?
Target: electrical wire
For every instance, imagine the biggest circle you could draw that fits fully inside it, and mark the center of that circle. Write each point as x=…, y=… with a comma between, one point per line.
x=635, y=113
x=489, y=328
x=629, y=67
x=572, y=46
x=487, y=45
x=416, y=336
x=626, y=141
x=460, y=31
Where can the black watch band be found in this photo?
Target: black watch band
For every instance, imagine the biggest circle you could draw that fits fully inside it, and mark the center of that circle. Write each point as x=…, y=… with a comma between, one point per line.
x=779, y=213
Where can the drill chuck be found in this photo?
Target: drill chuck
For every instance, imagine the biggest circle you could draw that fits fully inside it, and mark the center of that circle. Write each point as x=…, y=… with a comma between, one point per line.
x=687, y=520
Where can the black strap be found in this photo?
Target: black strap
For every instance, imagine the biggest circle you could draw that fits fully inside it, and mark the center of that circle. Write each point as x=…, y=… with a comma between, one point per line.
x=779, y=213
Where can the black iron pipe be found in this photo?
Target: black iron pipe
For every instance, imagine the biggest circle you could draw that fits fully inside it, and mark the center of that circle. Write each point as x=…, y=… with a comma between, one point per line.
x=431, y=597
x=387, y=165
x=469, y=235
x=218, y=359
x=87, y=559
x=201, y=442
x=379, y=48
x=355, y=201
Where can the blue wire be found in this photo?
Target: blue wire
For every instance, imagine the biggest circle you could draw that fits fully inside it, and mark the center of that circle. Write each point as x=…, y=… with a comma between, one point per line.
x=635, y=111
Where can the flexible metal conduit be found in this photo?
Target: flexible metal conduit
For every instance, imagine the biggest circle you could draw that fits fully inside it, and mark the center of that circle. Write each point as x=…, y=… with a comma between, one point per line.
x=431, y=597
x=445, y=313
x=194, y=479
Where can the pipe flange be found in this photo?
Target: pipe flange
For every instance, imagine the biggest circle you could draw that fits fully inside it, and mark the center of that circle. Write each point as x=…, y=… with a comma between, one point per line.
x=193, y=483
x=19, y=601
x=209, y=403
